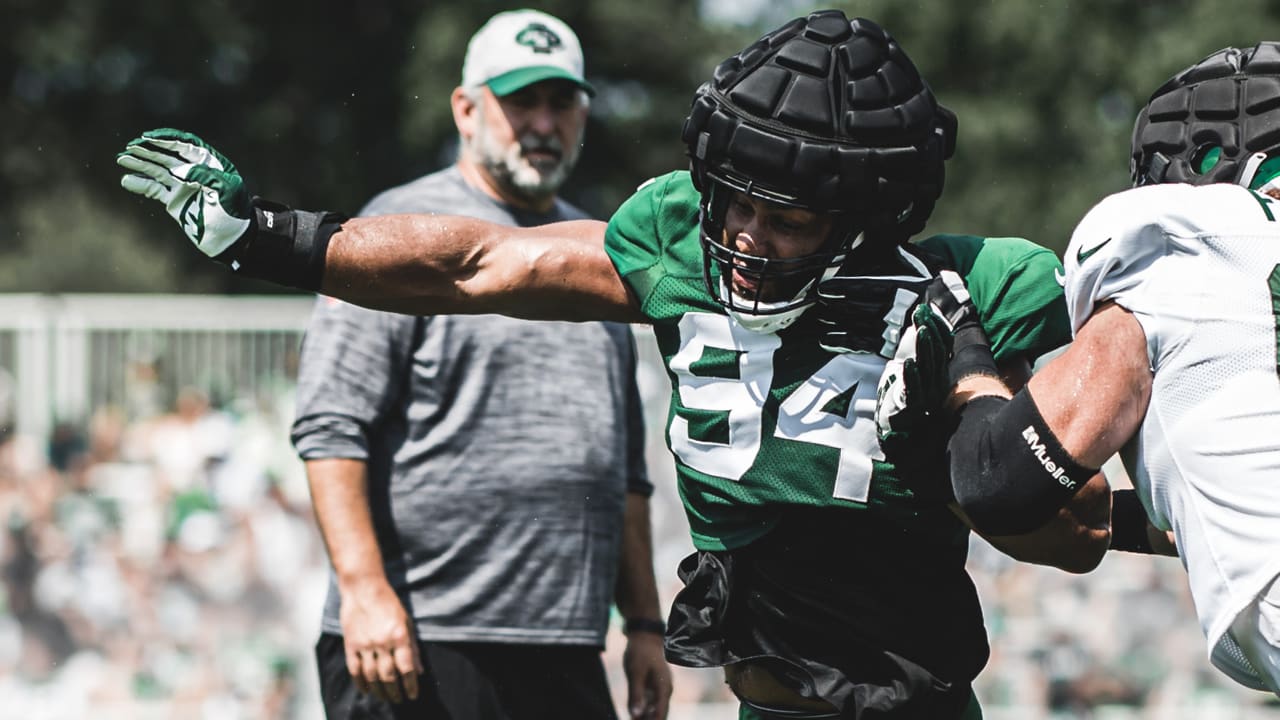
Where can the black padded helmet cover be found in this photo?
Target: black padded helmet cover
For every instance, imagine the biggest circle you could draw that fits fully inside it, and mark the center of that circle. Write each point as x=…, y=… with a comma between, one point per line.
x=827, y=114
x=1230, y=99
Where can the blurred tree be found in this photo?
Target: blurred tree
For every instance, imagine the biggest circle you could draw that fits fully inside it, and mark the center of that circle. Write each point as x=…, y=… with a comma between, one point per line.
x=1047, y=92
x=325, y=103
x=319, y=103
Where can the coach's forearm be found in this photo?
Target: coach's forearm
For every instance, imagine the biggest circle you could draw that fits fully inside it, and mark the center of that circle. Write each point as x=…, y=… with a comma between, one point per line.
x=637, y=591
x=340, y=498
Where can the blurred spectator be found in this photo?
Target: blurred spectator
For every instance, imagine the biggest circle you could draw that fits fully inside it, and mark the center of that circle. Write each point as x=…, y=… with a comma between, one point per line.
x=8, y=410
x=128, y=586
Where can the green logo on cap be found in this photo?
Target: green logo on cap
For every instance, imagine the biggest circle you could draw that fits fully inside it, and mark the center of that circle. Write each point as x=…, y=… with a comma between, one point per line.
x=539, y=37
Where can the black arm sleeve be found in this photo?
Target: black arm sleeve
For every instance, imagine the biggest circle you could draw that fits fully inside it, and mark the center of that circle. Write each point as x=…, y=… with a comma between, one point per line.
x=1008, y=470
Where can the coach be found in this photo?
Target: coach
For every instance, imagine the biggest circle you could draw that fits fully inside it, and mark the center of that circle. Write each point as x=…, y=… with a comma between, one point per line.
x=479, y=480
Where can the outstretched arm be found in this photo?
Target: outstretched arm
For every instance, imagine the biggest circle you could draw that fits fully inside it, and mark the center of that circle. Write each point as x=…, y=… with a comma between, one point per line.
x=437, y=264
x=419, y=264
x=1075, y=539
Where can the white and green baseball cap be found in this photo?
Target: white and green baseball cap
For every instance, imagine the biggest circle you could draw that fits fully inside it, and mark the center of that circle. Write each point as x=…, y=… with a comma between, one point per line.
x=517, y=48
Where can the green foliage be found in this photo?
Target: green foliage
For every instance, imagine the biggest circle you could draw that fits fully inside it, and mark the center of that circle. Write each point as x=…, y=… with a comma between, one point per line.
x=1046, y=94
x=323, y=104
x=70, y=241
x=320, y=104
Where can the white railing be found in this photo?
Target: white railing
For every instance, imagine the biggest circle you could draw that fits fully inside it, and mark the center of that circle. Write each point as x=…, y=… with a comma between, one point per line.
x=65, y=355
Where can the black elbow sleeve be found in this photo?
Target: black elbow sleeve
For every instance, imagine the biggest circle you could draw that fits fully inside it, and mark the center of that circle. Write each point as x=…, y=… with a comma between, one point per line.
x=1008, y=470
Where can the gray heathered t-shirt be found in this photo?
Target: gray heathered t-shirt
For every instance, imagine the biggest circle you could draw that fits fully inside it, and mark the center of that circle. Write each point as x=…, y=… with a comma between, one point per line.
x=499, y=451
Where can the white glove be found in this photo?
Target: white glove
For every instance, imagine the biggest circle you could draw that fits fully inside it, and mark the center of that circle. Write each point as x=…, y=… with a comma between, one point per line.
x=198, y=186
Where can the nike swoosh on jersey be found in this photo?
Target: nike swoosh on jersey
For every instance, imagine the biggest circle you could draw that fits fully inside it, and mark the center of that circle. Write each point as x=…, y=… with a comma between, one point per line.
x=1082, y=254
x=1060, y=276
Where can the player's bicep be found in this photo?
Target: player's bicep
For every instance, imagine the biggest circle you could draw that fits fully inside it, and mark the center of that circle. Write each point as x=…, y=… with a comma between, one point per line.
x=1094, y=395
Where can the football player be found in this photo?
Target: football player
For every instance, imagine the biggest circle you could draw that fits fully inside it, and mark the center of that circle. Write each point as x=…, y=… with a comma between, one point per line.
x=821, y=582
x=1174, y=293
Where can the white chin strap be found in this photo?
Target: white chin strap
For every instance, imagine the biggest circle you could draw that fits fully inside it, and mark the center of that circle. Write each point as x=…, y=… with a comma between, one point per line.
x=767, y=322
x=1251, y=168
x=771, y=319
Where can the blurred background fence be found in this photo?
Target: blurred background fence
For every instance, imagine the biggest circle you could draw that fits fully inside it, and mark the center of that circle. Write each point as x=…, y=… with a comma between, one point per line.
x=64, y=355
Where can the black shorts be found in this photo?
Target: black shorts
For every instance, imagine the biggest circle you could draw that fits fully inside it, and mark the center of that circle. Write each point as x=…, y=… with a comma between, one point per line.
x=477, y=681
x=838, y=609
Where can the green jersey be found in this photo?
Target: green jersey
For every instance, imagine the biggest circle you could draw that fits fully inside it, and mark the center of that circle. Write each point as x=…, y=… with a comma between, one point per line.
x=760, y=420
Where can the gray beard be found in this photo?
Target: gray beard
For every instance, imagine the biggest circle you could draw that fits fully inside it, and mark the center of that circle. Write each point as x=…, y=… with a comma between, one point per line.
x=509, y=167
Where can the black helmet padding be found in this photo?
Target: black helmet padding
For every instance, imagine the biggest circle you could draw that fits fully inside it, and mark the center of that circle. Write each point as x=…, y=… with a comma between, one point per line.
x=827, y=114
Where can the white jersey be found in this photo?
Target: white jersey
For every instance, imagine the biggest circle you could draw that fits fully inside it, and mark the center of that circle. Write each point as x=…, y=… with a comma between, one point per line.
x=1199, y=267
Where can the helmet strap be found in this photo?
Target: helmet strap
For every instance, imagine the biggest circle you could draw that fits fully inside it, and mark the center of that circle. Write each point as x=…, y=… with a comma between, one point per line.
x=1251, y=167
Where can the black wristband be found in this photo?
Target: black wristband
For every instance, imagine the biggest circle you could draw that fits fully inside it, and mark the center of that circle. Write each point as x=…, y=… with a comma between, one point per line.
x=971, y=354
x=1129, y=523
x=644, y=625
x=284, y=246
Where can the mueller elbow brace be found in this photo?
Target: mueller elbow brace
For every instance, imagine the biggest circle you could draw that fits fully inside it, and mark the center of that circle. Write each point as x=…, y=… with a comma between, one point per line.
x=1009, y=472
